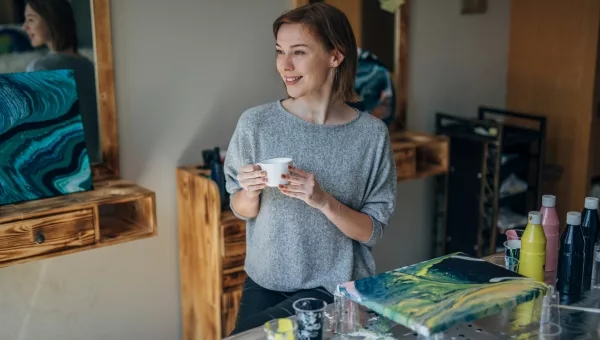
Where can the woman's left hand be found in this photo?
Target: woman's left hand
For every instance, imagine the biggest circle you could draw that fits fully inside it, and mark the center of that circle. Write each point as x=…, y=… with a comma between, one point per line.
x=303, y=185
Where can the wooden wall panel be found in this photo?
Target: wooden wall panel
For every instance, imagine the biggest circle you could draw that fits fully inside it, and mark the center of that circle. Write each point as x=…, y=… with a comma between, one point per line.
x=551, y=71
x=595, y=151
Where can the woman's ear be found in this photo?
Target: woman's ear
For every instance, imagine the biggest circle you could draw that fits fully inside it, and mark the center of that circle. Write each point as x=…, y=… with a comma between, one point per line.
x=336, y=58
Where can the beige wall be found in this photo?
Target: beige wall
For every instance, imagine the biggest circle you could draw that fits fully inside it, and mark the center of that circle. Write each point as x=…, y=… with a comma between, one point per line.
x=456, y=62
x=185, y=70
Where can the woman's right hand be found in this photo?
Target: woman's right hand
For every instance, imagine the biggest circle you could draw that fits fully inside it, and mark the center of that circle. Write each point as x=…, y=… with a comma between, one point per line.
x=252, y=179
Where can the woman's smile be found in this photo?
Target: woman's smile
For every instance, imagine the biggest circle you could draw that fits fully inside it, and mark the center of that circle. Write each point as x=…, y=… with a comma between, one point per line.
x=292, y=80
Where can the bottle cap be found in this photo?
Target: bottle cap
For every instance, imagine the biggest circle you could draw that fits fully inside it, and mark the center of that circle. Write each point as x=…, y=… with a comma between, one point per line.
x=574, y=218
x=549, y=201
x=535, y=217
x=591, y=203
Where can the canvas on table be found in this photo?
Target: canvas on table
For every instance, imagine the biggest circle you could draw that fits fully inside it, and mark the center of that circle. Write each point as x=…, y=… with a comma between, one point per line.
x=432, y=296
x=42, y=149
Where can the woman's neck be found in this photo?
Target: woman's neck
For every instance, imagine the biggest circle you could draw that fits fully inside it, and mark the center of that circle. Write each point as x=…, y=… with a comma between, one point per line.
x=316, y=110
x=320, y=110
x=68, y=50
x=320, y=107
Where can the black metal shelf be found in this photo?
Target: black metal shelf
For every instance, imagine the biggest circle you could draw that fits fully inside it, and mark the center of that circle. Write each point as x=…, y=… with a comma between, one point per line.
x=469, y=195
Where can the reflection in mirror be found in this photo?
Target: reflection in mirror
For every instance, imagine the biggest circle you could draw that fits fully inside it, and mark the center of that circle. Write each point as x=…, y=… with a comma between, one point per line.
x=378, y=81
x=40, y=35
x=376, y=36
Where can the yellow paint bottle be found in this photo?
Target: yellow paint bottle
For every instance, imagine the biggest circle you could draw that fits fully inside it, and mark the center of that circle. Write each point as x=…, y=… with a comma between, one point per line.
x=532, y=260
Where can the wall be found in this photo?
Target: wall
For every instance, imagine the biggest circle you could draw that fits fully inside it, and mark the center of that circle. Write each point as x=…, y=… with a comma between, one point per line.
x=544, y=79
x=184, y=72
x=456, y=62
x=595, y=132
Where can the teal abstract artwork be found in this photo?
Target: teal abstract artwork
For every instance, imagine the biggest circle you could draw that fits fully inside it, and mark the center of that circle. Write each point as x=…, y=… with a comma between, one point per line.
x=42, y=149
x=432, y=296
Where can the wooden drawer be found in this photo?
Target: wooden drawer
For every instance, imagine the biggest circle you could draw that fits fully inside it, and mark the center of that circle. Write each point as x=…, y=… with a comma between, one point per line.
x=46, y=234
x=234, y=277
x=234, y=236
x=233, y=262
x=230, y=304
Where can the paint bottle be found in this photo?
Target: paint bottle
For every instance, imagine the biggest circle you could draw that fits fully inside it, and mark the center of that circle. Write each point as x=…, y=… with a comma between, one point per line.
x=532, y=259
x=551, y=225
x=590, y=229
x=596, y=267
x=570, y=257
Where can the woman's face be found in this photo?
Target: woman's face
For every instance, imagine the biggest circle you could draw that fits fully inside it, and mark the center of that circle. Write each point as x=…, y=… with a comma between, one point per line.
x=36, y=27
x=302, y=61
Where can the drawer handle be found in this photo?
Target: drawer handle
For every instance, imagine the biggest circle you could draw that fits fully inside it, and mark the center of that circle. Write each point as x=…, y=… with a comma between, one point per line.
x=40, y=238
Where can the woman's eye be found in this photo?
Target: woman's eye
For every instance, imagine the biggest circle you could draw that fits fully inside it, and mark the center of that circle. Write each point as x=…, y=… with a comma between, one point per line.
x=279, y=51
x=299, y=52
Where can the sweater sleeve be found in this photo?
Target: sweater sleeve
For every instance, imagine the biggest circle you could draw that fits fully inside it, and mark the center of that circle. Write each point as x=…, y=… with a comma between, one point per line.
x=238, y=155
x=380, y=201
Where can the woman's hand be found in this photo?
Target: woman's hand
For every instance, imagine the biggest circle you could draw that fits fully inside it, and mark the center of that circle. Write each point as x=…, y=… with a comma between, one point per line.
x=303, y=185
x=252, y=179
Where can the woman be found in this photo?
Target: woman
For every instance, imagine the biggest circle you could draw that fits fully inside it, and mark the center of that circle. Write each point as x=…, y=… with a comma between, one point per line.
x=306, y=237
x=51, y=23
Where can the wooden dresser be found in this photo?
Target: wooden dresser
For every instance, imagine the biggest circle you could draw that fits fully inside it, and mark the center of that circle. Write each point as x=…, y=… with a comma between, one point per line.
x=212, y=249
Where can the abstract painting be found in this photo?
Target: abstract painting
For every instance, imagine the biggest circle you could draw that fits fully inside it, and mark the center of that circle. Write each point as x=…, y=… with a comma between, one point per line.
x=42, y=149
x=434, y=295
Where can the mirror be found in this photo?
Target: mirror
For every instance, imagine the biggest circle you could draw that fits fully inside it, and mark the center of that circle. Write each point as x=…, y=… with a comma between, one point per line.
x=63, y=34
x=54, y=34
x=381, y=29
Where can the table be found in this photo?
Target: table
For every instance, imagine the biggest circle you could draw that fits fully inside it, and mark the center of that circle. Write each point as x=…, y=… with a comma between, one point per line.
x=574, y=323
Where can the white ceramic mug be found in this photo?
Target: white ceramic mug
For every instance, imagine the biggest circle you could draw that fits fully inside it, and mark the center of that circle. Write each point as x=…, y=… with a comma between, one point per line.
x=275, y=167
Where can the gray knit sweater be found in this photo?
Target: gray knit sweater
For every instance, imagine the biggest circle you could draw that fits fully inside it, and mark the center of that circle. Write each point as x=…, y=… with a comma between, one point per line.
x=290, y=245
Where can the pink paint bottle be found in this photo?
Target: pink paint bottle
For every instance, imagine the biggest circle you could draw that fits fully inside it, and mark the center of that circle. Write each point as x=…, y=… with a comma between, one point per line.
x=551, y=224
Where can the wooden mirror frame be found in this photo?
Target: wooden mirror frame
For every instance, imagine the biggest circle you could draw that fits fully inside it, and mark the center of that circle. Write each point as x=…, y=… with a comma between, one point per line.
x=400, y=75
x=114, y=212
x=108, y=168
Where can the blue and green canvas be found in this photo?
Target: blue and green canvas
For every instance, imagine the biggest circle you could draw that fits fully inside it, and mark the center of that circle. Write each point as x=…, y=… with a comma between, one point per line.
x=42, y=149
x=434, y=295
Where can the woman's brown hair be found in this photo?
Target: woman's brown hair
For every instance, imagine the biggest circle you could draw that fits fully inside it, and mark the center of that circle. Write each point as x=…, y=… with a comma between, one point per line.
x=60, y=20
x=331, y=26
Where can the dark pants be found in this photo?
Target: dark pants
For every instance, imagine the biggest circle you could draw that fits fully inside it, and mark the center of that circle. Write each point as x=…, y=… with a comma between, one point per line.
x=259, y=305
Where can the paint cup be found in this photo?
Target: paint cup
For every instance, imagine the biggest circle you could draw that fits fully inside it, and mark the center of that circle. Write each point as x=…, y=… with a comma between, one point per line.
x=274, y=168
x=346, y=318
x=514, y=234
x=309, y=313
x=512, y=249
x=281, y=329
x=550, y=317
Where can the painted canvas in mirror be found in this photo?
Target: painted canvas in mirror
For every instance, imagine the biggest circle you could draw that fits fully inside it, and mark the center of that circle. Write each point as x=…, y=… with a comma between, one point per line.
x=42, y=149
x=38, y=35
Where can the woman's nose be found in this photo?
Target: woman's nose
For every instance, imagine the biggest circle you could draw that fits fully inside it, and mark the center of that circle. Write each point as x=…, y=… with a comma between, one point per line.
x=288, y=65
